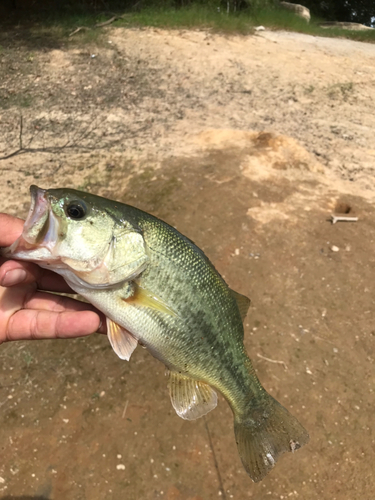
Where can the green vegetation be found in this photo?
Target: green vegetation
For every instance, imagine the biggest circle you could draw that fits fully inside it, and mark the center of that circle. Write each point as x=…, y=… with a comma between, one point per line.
x=355, y=11
x=208, y=14
x=194, y=16
x=20, y=99
x=340, y=90
x=198, y=16
x=27, y=357
x=243, y=22
x=276, y=19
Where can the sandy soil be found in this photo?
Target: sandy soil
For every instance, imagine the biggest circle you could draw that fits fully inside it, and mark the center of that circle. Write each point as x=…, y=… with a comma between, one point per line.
x=247, y=145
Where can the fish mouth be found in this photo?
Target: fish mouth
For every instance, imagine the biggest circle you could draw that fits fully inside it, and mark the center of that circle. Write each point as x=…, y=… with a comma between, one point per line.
x=37, y=217
x=40, y=230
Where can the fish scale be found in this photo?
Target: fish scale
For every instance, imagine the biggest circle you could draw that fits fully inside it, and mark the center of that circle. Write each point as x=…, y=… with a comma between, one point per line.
x=201, y=327
x=157, y=288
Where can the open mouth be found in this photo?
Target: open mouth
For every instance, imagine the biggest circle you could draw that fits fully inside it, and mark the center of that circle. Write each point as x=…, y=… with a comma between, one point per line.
x=37, y=218
x=39, y=233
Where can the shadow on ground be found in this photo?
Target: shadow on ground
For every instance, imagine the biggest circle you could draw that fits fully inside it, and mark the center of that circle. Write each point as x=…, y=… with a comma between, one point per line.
x=23, y=498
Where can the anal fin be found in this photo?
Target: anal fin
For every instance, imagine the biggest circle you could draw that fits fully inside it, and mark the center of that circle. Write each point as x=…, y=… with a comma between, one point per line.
x=190, y=398
x=122, y=342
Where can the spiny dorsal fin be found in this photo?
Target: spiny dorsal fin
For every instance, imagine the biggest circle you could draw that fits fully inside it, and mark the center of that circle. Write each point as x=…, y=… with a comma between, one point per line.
x=190, y=398
x=243, y=303
x=122, y=342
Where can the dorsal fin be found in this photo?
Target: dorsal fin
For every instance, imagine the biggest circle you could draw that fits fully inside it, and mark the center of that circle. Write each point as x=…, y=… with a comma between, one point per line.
x=243, y=303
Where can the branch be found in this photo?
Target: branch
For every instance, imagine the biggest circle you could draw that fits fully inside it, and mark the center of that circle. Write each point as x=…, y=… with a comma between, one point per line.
x=50, y=149
x=21, y=127
x=98, y=25
x=70, y=143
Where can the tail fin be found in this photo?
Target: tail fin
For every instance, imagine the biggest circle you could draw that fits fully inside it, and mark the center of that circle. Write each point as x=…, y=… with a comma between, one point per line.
x=264, y=434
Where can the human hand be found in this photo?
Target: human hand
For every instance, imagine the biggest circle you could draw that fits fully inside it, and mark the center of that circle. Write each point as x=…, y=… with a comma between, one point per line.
x=27, y=310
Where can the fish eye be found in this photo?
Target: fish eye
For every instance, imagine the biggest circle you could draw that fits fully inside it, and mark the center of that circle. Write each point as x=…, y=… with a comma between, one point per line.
x=76, y=210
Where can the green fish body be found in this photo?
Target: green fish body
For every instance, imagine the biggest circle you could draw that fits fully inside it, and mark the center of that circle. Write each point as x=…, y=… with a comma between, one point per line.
x=158, y=289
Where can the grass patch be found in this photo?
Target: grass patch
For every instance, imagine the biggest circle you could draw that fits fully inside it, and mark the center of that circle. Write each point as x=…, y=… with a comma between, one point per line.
x=280, y=19
x=359, y=36
x=55, y=27
x=204, y=17
x=276, y=19
x=341, y=91
x=191, y=17
x=19, y=100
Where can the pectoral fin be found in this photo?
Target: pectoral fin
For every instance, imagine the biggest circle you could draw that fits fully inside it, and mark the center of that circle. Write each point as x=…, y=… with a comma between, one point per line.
x=190, y=398
x=144, y=298
x=122, y=342
x=243, y=303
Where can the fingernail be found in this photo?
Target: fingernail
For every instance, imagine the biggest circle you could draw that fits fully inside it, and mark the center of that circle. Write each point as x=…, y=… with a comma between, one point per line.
x=14, y=277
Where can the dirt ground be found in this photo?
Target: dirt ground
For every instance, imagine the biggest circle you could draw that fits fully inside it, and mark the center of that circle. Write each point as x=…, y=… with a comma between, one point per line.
x=247, y=145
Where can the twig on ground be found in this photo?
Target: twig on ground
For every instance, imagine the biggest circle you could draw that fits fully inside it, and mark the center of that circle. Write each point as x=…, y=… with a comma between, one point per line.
x=51, y=149
x=342, y=218
x=125, y=408
x=80, y=28
x=98, y=25
x=21, y=127
x=74, y=142
x=322, y=338
x=273, y=361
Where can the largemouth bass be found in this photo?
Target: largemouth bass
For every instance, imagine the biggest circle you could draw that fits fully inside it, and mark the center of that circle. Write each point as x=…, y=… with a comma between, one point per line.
x=158, y=289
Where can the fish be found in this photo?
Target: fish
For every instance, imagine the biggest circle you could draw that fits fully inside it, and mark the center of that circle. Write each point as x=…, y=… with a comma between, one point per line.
x=158, y=289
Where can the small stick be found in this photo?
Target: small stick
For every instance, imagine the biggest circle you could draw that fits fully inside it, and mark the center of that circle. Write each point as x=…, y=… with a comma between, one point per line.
x=342, y=218
x=79, y=29
x=273, y=361
x=98, y=25
x=3, y=403
x=125, y=408
x=321, y=338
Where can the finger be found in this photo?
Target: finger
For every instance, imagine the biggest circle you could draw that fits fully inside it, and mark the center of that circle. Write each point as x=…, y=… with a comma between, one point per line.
x=15, y=300
x=13, y=273
x=28, y=324
x=58, y=303
x=10, y=229
x=44, y=301
x=55, y=303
